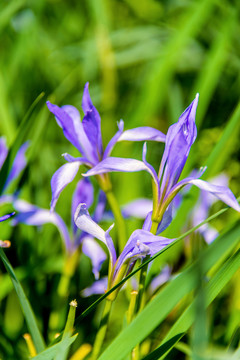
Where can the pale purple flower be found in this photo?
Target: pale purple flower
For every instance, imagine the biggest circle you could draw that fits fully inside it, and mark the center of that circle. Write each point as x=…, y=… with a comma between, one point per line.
x=32, y=215
x=86, y=136
x=179, y=139
x=140, y=244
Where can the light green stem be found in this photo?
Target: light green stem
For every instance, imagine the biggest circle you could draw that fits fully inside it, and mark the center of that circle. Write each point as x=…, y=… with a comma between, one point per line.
x=102, y=330
x=56, y=317
x=121, y=227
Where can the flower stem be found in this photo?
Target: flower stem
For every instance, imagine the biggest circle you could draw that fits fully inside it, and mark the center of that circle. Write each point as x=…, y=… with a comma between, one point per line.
x=57, y=316
x=121, y=227
x=102, y=330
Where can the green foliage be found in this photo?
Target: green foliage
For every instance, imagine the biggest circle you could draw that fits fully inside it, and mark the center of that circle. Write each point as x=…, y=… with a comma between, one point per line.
x=145, y=61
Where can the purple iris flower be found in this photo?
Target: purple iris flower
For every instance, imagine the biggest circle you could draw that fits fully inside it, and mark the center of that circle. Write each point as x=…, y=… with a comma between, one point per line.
x=18, y=165
x=86, y=136
x=166, y=184
x=140, y=244
x=33, y=215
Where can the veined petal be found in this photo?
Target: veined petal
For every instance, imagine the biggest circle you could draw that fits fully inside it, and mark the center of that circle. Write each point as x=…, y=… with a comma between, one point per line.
x=223, y=193
x=92, y=121
x=95, y=253
x=68, y=118
x=83, y=194
x=112, y=164
x=140, y=244
x=61, y=178
x=32, y=215
x=114, y=139
x=85, y=223
x=142, y=133
x=7, y=216
x=179, y=139
x=19, y=164
x=3, y=151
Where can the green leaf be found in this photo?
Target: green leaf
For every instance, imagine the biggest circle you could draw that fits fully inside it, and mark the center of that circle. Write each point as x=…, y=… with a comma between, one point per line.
x=52, y=351
x=157, y=310
x=212, y=289
x=26, y=307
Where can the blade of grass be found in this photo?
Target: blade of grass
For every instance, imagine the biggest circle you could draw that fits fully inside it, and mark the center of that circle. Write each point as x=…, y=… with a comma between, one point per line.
x=51, y=351
x=161, y=305
x=26, y=307
x=161, y=71
x=212, y=289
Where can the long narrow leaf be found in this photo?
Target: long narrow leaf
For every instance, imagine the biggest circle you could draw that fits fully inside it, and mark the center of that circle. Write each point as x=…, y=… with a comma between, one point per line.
x=26, y=307
x=213, y=288
x=52, y=351
x=166, y=300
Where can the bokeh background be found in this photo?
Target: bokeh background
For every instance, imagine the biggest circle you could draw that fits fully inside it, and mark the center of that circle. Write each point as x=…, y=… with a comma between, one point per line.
x=145, y=61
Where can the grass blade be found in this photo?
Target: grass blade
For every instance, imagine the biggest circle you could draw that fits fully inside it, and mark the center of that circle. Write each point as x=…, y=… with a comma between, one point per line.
x=26, y=307
x=167, y=299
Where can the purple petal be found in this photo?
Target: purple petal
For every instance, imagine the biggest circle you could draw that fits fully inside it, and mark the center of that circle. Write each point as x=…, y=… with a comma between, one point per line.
x=138, y=208
x=143, y=133
x=223, y=193
x=61, y=178
x=101, y=204
x=83, y=194
x=179, y=139
x=7, y=216
x=97, y=288
x=96, y=254
x=3, y=151
x=209, y=233
x=68, y=119
x=140, y=244
x=150, y=168
x=159, y=280
x=85, y=223
x=92, y=120
x=19, y=164
x=32, y=215
x=148, y=222
x=112, y=164
x=114, y=139
x=70, y=158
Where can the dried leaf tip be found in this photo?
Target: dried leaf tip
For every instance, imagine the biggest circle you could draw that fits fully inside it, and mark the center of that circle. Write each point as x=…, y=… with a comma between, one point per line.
x=73, y=303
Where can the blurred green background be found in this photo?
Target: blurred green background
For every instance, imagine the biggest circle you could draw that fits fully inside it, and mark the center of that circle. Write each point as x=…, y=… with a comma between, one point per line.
x=145, y=61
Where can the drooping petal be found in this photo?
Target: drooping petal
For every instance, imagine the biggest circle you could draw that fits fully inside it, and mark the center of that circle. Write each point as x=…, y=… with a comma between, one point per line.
x=32, y=215
x=3, y=151
x=97, y=288
x=92, y=121
x=143, y=133
x=179, y=139
x=7, y=216
x=19, y=164
x=223, y=193
x=114, y=139
x=113, y=164
x=96, y=254
x=85, y=223
x=61, y=178
x=83, y=194
x=140, y=244
x=151, y=170
x=70, y=158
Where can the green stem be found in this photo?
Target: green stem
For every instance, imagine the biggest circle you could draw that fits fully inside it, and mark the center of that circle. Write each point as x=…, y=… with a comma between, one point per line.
x=121, y=227
x=102, y=330
x=57, y=316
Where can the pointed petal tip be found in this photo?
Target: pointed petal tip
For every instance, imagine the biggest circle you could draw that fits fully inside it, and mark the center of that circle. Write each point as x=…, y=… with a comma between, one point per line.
x=81, y=209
